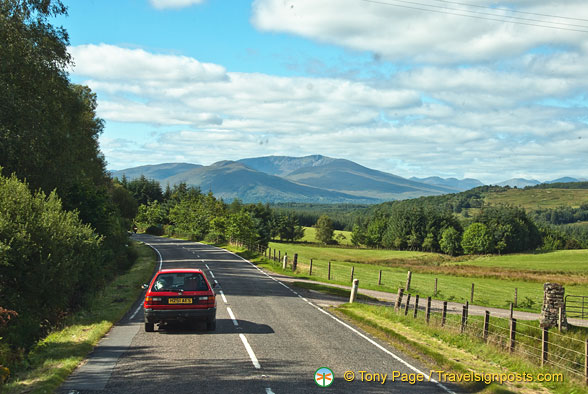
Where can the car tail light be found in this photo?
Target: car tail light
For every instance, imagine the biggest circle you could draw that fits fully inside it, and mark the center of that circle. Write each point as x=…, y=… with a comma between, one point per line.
x=153, y=300
x=208, y=300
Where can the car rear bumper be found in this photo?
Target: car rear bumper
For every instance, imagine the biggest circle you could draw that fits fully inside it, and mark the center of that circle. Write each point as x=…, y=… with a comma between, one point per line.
x=158, y=315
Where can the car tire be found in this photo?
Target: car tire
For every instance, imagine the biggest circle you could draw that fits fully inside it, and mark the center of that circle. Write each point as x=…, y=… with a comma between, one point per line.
x=149, y=327
x=211, y=325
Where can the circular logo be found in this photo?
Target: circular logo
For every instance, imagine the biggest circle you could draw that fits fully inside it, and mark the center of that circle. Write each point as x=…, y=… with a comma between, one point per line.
x=323, y=377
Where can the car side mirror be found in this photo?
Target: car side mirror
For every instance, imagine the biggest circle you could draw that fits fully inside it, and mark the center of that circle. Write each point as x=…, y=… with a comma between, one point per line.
x=144, y=286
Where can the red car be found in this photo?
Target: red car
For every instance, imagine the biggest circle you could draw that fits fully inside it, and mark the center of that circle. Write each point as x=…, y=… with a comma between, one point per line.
x=179, y=295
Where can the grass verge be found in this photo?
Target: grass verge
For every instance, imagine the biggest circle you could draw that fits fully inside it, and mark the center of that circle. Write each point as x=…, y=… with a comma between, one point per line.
x=55, y=357
x=450, y=351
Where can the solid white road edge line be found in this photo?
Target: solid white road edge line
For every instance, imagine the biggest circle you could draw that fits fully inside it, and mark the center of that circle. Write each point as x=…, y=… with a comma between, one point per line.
x=223, y=297
x=269, y=391
x=232, y=316
x=354, y=330
x=250, y=351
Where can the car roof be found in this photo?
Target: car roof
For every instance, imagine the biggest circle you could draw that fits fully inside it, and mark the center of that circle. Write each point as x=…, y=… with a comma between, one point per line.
x=180, y=270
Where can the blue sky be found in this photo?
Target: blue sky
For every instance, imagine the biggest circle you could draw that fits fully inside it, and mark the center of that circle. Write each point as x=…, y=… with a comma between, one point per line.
x=415, y=92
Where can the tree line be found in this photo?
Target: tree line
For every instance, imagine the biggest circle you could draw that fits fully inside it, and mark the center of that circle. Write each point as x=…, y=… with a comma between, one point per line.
x=187, y=211
x=409, y=225
x=63, y=222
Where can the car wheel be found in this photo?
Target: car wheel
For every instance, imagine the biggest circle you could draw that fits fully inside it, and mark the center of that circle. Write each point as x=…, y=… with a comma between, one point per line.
x=149, y=327
x=211, y=325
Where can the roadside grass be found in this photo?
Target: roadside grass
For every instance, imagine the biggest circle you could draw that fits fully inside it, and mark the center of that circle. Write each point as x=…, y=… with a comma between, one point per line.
x=539, y=198
x=449, y=350
x=336, y=291
x=55, y=357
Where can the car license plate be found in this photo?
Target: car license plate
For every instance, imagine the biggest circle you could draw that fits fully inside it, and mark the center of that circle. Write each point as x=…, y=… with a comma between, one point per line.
x=179, y=300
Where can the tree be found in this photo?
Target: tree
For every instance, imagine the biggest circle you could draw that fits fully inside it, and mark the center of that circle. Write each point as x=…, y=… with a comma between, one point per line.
x=450, y=241
x=477, y=239
x=324, y=229
x=288, y=228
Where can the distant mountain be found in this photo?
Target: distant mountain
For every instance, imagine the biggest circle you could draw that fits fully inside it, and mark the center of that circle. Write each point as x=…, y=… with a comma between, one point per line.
x=565, y=179
x=158, y=172
x=315, y=179
x=284, y=165
x=230, y=180
x=519, y=182
x=351, y=178
x=453, y=183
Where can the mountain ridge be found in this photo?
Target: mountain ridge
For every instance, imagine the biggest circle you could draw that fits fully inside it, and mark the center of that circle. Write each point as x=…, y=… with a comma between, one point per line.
x=310, y=179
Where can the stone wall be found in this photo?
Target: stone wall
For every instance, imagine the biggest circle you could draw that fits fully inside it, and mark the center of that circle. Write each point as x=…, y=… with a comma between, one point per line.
x=553, y=300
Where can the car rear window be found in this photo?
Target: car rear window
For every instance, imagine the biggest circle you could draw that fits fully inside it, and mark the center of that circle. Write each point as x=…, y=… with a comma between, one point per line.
x=184, y=281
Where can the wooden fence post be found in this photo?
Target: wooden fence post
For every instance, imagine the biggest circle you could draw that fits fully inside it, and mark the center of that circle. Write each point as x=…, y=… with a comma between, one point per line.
x=511, y=310
x=279, y=255
x=472, y=295
x=486, y=325
x=329, y=272
x=352, y=271
x=416, y=306
x=444, y=314
x=428, y=311
x=513, y=331
x=544, y=346
x=516, y=297
x=274, y=254
x=408, y=277
x=310, y=270
x=398, y=299
x=380, y=278
x=295, y=262
x=559, y=318
x=407, y=304
x=463, y=319
x=435, y=291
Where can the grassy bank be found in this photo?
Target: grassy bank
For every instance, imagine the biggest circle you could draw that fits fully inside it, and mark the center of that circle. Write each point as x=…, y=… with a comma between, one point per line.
x=55, y=357
x=448, y=350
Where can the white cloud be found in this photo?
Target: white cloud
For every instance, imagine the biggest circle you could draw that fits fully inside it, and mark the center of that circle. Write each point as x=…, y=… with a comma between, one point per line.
x=162, y=4
x=403, y=32
x=112, y=63
x=476, y=121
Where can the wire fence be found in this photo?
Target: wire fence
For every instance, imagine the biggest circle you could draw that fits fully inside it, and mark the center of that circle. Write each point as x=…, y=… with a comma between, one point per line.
x=539, y=345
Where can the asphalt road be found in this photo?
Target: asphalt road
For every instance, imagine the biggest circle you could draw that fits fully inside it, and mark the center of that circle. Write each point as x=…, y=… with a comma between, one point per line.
x=269, y=339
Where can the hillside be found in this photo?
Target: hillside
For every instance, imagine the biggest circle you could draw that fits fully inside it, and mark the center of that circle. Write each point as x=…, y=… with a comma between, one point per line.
x=158, y=172
x=538, y=198
x=351, y=178
x=453, y=183
x=230, y=180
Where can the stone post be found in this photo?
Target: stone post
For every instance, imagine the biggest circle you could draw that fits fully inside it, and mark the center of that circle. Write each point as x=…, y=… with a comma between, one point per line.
x=553, y=300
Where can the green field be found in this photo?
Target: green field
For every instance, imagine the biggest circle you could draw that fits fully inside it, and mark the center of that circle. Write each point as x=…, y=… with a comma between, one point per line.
x=310, y=236
x=539, y=198
x=495, y=278
x=559, y=261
